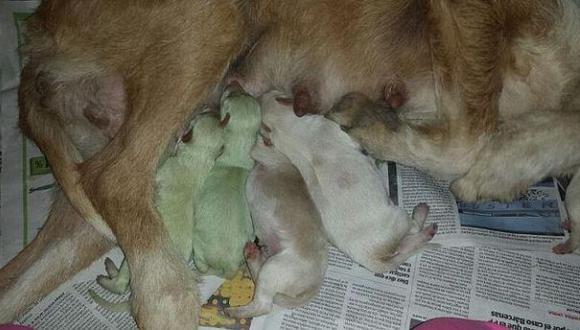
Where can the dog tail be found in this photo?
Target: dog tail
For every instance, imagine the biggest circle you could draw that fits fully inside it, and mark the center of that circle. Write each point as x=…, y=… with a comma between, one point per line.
x=41, y=124
x=300, y=300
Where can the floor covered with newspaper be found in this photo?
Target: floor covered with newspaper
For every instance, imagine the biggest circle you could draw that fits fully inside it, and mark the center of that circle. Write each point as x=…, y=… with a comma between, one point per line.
x=494, y=263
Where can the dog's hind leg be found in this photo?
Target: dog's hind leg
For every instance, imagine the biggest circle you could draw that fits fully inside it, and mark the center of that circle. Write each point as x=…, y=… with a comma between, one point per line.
x=524, y=150
x=573, y=223
x=168, y=67
x=164, y=289
x=64, y=246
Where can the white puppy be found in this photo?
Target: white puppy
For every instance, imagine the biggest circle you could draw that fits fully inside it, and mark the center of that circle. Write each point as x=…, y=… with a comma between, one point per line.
x=357, y=214
x=289, y=266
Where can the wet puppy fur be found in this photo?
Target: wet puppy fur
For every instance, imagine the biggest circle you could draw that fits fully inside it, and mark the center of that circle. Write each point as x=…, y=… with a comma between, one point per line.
x=467, y=66
x=289, y=263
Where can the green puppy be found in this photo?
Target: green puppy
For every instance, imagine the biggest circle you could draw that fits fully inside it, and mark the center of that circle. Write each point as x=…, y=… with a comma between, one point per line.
x=179, y=181
x=222, y=218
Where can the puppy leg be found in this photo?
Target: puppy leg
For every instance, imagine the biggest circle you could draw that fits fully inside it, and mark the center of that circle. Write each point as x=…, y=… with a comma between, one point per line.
x=524, y=150
x=254, y=259
x=65, y=245
x=573, y=208
x=267, y=285
x=261, y=304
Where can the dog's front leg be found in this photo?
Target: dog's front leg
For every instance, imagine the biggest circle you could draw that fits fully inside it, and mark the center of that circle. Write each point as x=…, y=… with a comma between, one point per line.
x=524, y=150
x=433, y=148
x=64, y=246
x=120, y=180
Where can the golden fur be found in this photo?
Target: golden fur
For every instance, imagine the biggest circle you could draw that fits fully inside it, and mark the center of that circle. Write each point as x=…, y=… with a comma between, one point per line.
x=463, y=63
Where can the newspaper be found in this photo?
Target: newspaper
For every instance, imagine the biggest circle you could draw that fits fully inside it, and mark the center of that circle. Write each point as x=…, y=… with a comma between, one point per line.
x=494, y=263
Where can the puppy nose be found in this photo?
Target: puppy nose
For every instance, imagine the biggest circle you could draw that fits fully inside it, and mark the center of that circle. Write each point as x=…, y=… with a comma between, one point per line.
x=299, y=112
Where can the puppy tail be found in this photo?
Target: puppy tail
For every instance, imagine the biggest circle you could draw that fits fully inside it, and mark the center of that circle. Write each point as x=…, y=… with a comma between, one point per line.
x=300, y=300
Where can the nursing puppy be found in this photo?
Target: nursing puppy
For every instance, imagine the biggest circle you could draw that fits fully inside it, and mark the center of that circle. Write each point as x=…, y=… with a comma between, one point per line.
x=464, y=64
x=357, y=214
x=521, y=137
x=289, y=264
x=223, y=223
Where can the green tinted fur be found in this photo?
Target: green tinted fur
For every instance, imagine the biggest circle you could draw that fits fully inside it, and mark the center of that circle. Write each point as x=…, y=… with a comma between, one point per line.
x=222, y=218
x=201, y=193
x=179, y=181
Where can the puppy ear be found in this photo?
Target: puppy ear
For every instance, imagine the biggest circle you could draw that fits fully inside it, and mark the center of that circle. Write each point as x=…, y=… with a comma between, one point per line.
x=224, y=122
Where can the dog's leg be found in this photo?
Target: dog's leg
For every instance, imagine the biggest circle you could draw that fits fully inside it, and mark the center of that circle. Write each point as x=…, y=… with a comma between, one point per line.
x=468, y=42
x=383, y=135
x=65, y=245
x=165, y=292
x=573, y=223
x=524, y=150
x=172, y=66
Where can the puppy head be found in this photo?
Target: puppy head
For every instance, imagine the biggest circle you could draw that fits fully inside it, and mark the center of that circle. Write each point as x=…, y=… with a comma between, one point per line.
x=206, y=132
x=277, y=108
x=243, y=111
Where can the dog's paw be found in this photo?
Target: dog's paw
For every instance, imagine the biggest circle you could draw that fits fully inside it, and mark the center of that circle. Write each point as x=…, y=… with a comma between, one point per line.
x=351, y=110
x=472, y=188
x=572, y=243
x=464, y=189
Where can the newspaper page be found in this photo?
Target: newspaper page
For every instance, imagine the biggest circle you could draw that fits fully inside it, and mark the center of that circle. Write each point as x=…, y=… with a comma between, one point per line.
x=26, y=183
x=481, y=271
x=532, y=221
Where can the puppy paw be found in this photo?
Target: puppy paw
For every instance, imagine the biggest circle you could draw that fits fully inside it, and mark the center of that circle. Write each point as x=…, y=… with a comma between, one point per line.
x=116, y=280
x=246, y=312
x=235, y=312
x=571, y=245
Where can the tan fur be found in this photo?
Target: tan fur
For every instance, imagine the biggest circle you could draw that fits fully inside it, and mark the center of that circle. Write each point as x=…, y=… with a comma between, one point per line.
x=457, y=59
x=168, y=66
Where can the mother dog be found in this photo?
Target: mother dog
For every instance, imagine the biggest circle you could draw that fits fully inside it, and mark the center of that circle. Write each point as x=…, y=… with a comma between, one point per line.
x=139, y=68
